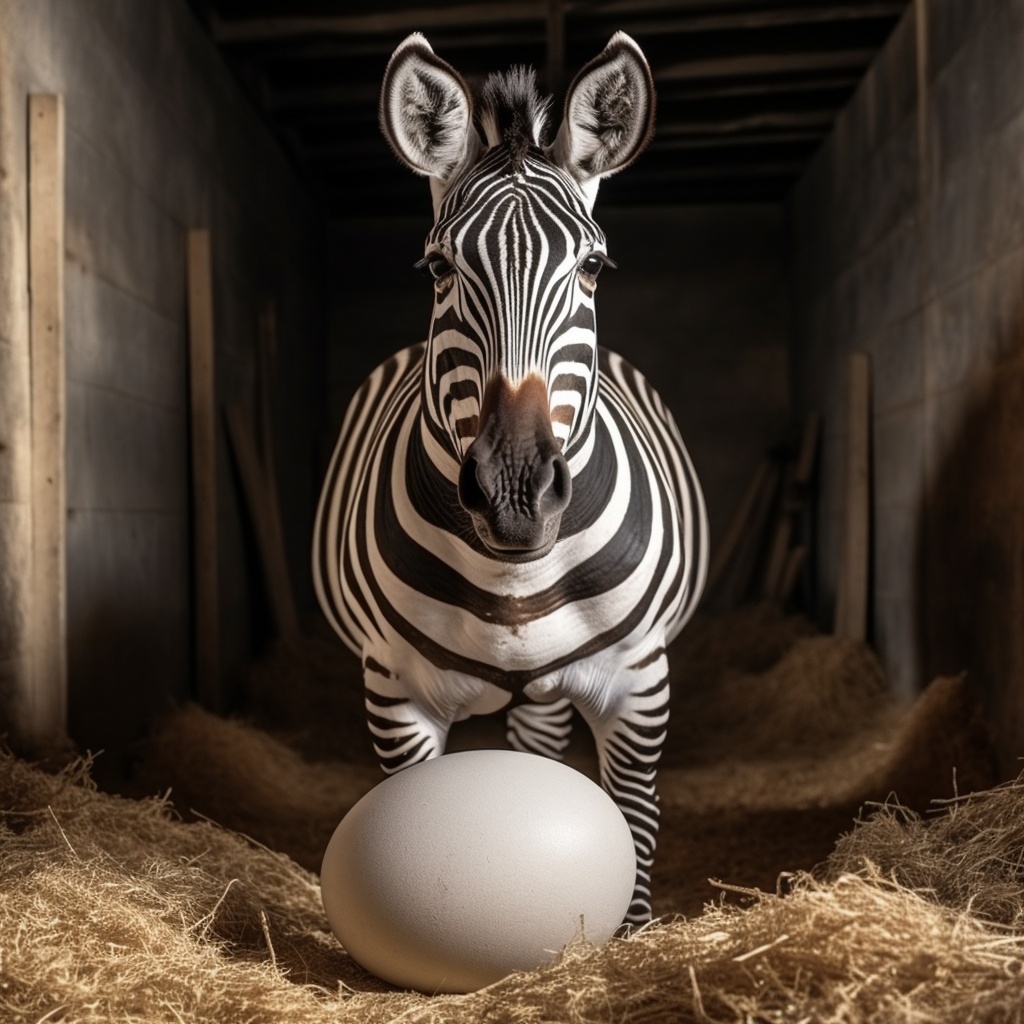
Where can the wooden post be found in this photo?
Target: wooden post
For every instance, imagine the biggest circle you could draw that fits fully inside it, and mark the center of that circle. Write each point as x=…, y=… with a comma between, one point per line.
x=283, y=598
x=259, y=480
x=782, y=571
x=46, y=711
x=262, y=504
x=202, y=390
x=854, y=556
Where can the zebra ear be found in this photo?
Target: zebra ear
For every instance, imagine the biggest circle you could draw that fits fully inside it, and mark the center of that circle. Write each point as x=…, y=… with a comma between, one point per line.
x=609, y=114
x=426, y=112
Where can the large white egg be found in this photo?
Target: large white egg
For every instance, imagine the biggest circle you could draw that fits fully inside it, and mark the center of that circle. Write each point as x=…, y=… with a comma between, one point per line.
x=458, y=871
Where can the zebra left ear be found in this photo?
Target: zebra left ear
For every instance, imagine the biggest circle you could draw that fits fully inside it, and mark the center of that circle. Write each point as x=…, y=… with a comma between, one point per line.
x=425, y=111
x=609, y=114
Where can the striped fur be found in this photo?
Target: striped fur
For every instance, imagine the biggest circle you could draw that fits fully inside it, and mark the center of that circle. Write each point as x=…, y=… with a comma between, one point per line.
x=446, y=624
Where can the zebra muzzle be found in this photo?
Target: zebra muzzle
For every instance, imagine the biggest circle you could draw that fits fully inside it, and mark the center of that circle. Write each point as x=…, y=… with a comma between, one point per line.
x=514, y=481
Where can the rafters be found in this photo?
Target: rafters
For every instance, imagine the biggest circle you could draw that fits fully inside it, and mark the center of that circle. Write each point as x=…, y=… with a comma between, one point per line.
x=747, y=88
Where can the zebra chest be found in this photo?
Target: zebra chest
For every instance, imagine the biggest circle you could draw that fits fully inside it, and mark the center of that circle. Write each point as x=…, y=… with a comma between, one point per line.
x=515, y=628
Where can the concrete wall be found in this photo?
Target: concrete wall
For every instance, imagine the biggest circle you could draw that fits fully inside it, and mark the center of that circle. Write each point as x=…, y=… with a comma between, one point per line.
x=159, y=139
x=908, y=242
x=699, y=303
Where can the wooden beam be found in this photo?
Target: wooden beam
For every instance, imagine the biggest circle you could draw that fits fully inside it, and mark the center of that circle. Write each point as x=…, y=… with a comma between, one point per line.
x=765, y=64
x=782, y=561
x=742, y=16
x=262, y=29
x=725, y=551
x=716, y=90
x=818, y=121
x=276, y=558
x=722, y=170
x=46, y=711
x=851, y=619
x=678, y=21
x=203, y=400
x=266, y=522
x=417, y=19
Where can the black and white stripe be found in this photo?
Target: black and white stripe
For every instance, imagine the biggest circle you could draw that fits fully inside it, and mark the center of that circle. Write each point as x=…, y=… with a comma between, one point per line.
x=445, y=624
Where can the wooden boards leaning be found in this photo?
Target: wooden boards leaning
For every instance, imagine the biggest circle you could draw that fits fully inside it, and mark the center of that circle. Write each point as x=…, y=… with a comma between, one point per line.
x=259, y=483
x=46, y=712
x=852, y=577
x=276, y=560
x=203, y=411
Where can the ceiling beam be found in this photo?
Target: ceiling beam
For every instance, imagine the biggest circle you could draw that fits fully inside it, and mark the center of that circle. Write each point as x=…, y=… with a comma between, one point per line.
x=764, y=64
x=270, y=28
x=819, y=120
x=248, y=30
x=713, y=90
x=743, y=16
x=731, y=143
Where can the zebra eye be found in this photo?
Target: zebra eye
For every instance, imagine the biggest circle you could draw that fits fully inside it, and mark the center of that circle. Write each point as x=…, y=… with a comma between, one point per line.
x=592, y=265
x=435, y=266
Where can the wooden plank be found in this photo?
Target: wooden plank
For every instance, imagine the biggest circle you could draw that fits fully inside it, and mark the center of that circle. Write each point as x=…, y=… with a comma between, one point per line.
x=282, y=594
x=417, y=19
x=781, y=536
x=808, y=454
x=766, y=64
x=268, y=538
x=269, y=29
x=726, y=550
x=203, y=402
x=46, y=713
x=798, y=476
x=794, y=566
x=851, y=619
x=745, y=19
x=750, y=551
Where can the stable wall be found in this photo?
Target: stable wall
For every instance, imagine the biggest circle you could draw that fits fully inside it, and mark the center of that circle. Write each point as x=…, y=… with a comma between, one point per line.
x=699, y=303
x=907, y=236
x=159, y=139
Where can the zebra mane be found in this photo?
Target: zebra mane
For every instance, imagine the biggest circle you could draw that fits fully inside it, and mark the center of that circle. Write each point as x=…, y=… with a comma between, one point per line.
x=512, y=112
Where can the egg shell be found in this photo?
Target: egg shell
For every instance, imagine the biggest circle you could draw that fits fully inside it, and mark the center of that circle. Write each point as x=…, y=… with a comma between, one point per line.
x=456, y=872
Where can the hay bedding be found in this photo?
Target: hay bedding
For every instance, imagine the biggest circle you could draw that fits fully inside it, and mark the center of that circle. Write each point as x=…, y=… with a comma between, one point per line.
x=115, y=909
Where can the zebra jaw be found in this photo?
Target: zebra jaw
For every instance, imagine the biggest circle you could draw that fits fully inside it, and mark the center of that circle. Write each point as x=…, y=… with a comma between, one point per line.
x=514, y=481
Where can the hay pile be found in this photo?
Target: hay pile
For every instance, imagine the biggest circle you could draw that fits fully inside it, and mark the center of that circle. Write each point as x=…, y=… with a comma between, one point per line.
x=112, y=910
x=116, y=909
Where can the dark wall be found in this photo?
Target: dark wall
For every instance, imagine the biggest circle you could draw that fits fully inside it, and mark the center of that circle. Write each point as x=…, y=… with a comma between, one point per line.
x=699, y=304
x=908, y=235
x=159, y=139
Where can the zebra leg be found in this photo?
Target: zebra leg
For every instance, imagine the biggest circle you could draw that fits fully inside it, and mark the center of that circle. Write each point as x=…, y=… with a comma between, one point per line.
x=629, y=738
x=403, y=732
x=540, y=728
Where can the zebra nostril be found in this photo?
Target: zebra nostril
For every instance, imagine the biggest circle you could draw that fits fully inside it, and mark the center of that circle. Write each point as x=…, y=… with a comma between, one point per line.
x=471, y=494
x=553, y=496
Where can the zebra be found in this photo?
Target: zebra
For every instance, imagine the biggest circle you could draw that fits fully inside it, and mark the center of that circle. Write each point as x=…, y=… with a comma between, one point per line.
x=510, y=520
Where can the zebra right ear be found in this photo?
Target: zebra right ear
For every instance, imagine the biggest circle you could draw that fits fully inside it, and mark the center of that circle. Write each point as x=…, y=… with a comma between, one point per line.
x=426, y=112
x=609, y=115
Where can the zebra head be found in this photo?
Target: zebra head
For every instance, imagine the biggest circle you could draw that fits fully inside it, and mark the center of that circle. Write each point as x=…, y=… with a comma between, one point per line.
x=510, y=376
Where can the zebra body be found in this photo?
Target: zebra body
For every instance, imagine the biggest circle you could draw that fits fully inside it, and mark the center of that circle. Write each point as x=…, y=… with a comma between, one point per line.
x=510, y=521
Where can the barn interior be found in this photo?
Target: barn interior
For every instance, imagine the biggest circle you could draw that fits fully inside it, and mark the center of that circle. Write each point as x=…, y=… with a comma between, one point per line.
x=207, y=245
